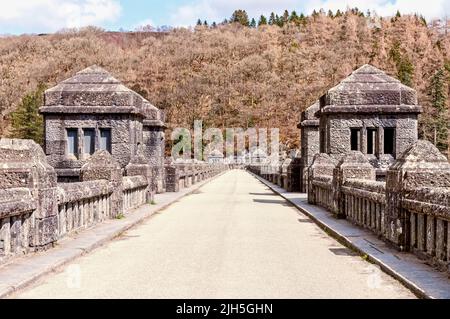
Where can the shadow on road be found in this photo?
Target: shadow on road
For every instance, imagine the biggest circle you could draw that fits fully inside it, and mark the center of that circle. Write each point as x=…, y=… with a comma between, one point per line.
x=273, y=201
x=343, y=252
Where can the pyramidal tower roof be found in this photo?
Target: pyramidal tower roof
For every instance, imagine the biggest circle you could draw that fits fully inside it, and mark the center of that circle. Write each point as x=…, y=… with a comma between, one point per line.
x=95, y=90
x=370, y=90
x=92, y=75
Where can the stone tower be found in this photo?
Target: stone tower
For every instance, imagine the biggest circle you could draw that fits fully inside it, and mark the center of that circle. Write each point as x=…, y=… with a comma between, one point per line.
x=94, y=111
x=369, y=112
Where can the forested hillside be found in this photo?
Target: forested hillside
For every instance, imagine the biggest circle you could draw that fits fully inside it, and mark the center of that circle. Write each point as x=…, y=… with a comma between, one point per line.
x=234, y=75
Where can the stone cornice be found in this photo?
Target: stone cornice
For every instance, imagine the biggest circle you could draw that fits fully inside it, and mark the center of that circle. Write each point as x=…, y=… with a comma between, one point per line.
x=371, y=109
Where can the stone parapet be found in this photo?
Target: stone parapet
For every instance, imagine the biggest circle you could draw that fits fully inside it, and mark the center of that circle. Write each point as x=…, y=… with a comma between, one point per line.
x=410, y=211
x=36, y=211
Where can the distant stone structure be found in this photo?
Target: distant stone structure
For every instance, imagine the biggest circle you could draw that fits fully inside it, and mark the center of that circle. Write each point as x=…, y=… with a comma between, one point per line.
x=94, y=111
x=215, y=157
x=369, y=112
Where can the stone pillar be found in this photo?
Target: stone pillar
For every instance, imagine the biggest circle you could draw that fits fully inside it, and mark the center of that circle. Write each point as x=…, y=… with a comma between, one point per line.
x=353, y=165
x=102, y=166
x=24, y=165
x=380, y=141
x=154, y=149
x=421, y=165
x=363, y=140
x=310, y=144
x=172, y=178
x=293, y=176
x=139, y=167
x=323, y=165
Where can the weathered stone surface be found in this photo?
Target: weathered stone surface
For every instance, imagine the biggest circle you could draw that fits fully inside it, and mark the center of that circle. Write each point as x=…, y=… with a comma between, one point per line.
x=26, y=176
x=323, y=165
x=420, y=166
x=102, y=166
x=353, y=165
x=310, y=142
x=140, y=167
x=368, y=100
x=23, y=164
x=94, y=99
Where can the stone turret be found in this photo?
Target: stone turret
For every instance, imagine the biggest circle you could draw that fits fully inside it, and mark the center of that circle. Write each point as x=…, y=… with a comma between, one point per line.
x=94, y=111
x=369, y=112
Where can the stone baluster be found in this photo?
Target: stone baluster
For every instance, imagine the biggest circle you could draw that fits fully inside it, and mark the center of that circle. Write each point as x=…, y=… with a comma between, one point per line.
x=353, y=165
x=421, y=165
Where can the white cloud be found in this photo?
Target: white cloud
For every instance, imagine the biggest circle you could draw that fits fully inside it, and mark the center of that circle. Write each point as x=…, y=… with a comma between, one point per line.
x=217, y=10
x=51, y=15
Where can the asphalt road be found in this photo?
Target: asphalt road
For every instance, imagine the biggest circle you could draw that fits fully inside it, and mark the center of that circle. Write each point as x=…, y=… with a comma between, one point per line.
x=233, y=238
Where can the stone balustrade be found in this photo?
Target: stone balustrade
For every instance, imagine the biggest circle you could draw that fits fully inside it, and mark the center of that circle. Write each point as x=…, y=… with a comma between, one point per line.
x=322, y=186
x=410, y=210
x=81, y=205
x=364, y=203
x=184, y=174
x=36, y=211
x=16, y=221
x=428, y=211
x=134, y=192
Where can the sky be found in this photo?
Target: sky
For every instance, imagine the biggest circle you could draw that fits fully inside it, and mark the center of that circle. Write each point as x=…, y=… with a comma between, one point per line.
x=45, y=16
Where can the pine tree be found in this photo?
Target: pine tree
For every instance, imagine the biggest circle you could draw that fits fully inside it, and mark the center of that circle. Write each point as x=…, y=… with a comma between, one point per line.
x=423, y=20
x=294, y=18
x=205, y=23
x=338, y=14
x=26, y=121
x=214, y=24
x=438, y=94
x=241, y=17
x=253, y=23
x=278, y=20
x=285, y=17
x=438, y=91
x=405, y=69
x=398, y=14
x=302, y=19
x=199, y=22
x=262, y=20
x=272, y=19
x=330, y=14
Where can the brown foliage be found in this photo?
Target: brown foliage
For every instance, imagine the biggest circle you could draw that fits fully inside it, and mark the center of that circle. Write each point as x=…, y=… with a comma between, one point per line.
x=230, y=75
